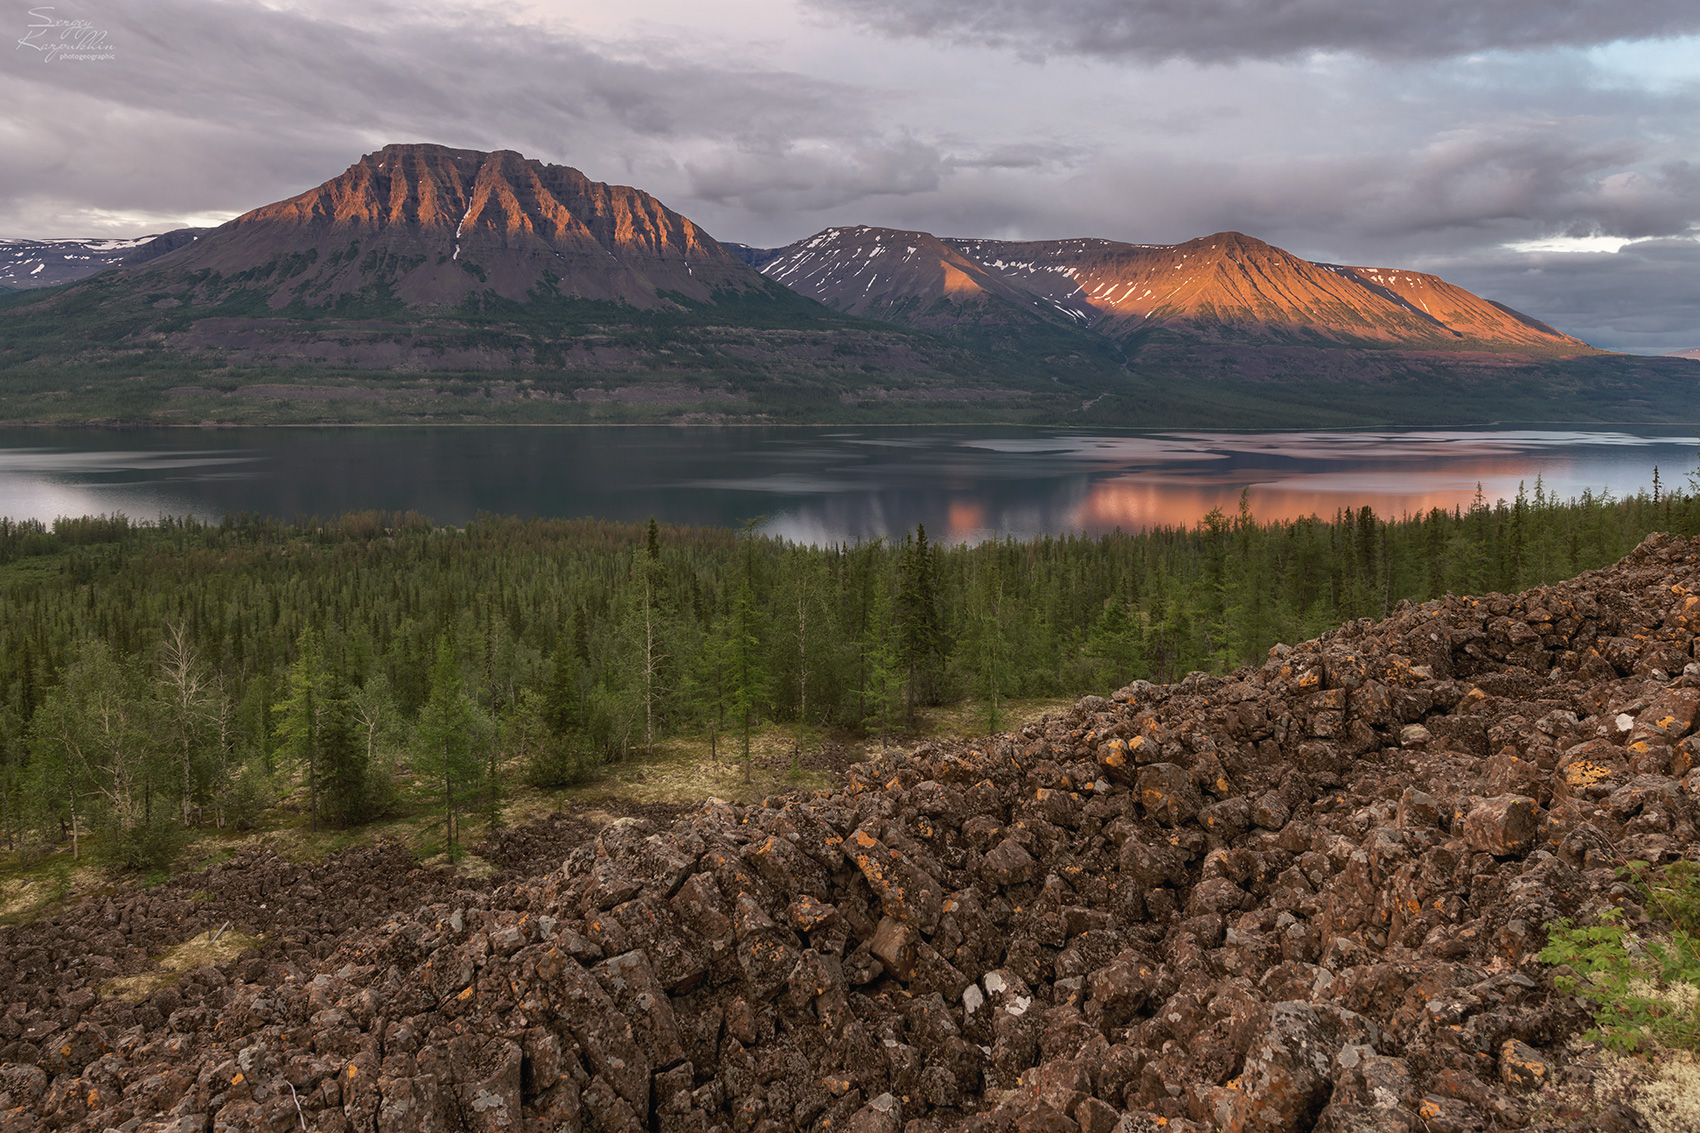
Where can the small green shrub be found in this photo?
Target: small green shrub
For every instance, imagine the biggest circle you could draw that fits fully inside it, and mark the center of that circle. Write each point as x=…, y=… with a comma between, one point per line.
x=560, y=763
x=148, y=847
x=246, y=797
x=1640, y=988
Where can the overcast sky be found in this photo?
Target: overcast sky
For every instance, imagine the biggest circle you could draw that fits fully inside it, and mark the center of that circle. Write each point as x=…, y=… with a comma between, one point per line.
x=1543, y=153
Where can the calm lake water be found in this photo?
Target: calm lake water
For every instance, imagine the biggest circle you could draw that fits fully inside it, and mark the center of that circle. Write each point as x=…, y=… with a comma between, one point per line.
x=811, y=484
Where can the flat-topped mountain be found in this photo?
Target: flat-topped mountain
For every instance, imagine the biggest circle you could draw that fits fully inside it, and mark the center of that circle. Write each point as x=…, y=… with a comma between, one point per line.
x=1224, y=288
x=432, y=226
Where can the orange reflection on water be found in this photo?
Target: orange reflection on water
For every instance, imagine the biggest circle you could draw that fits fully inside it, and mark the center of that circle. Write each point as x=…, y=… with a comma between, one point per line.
x=965, y=518
x=1134, y=504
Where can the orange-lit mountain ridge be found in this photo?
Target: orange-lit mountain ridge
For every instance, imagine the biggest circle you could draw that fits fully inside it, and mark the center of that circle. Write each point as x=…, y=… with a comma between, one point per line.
x=1227, y=287
x=431, y=226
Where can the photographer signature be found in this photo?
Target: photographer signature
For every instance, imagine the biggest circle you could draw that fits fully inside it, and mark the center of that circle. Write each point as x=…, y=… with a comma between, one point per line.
x=64, y=39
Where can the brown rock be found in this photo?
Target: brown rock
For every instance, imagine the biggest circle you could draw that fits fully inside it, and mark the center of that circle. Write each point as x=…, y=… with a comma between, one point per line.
x=1167, y=793
x=1007, y=863
x=894, y=943
x=1521, y=1067
x=1502, y=826
x=1287, y=1076
x=604, y=1034
x=883, y=1114
x=906, y=891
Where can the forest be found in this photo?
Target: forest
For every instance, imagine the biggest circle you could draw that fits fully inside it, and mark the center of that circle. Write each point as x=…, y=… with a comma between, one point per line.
x=162, y=677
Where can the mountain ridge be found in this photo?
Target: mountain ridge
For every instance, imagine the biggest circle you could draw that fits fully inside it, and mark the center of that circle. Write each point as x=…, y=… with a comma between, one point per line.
x=434, y=226
x=423, y=276
x=1222, y=287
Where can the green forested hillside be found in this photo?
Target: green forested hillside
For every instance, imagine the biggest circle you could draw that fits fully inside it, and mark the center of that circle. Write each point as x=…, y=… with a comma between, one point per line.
x=158, y=676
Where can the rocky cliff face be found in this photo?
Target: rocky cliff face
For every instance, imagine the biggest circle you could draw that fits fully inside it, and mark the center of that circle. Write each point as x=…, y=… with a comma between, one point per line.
x=432, y=226
x=1227, y=287
x=1305, y=896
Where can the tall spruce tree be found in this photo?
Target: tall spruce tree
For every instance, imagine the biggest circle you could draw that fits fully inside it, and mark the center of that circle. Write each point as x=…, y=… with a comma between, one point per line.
x=920, y=637
x=446, y=734
x=301, y=715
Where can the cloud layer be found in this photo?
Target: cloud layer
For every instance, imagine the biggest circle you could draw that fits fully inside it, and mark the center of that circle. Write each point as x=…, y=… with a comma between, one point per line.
x=1221, y=31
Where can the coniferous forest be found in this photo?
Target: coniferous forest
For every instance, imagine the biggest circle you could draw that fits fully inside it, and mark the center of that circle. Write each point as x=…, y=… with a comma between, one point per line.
x=161, y=677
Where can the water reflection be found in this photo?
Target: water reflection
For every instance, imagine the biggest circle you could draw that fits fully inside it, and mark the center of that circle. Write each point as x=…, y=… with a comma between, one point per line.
x=813, y=485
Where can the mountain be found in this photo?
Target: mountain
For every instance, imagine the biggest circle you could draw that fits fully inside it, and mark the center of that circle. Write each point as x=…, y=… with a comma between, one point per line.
x=440, y=274
x=1693, y=353
x=429, y=283
x=912, y=278
x=1225, y=288
x=434, y=227
x=49, y=263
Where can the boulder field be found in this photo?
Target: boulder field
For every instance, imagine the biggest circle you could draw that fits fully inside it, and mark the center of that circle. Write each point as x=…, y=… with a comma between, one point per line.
x=1308, y=895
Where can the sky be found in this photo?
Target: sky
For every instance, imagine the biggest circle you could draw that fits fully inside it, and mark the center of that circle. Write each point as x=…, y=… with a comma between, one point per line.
x=1542, y=153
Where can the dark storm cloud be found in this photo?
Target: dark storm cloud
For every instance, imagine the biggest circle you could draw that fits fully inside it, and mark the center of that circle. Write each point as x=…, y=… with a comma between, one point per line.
x=790, y=181
x=1220, y=31
x=1496, y=182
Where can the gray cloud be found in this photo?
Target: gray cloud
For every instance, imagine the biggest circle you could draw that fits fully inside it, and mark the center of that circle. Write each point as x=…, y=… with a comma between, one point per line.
x=793, y=179
x=230, y=105
x=1642, y=299
x=1220, y=31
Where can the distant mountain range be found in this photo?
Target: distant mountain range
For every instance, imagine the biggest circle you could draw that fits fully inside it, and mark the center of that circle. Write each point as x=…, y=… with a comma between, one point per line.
x=49, y=263
x=1225, y=287
x=564, y=298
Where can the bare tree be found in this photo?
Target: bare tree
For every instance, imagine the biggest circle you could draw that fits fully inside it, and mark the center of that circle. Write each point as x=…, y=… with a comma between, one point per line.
x=185, y=689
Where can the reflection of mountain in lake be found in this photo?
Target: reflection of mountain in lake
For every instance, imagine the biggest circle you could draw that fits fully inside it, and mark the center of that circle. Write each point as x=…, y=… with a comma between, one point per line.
x=818, y=486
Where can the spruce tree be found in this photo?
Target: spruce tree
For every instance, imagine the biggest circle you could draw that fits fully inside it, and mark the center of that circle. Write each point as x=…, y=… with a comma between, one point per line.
x=444, y=739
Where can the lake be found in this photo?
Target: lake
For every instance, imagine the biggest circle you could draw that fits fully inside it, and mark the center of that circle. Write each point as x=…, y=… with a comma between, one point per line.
x=819, y=485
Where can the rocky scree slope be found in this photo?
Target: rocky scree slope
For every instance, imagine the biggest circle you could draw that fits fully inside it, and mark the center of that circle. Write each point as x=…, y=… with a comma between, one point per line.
x=1305, y=896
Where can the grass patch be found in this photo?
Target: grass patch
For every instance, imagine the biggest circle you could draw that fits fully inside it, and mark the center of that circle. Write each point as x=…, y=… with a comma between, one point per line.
x=685, y=770
x=1644, y=988
x=199, y=951
x=970, y=719
x=34, y=888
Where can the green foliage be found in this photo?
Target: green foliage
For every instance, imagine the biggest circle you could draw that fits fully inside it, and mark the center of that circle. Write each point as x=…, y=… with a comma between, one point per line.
x=1641, y=988
x=301, y=715
x=343, y=754
x=192, y=673
x=447, y=737
x=245, y=797
x=921, y=640
x=147, y=847
x=96, y=758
